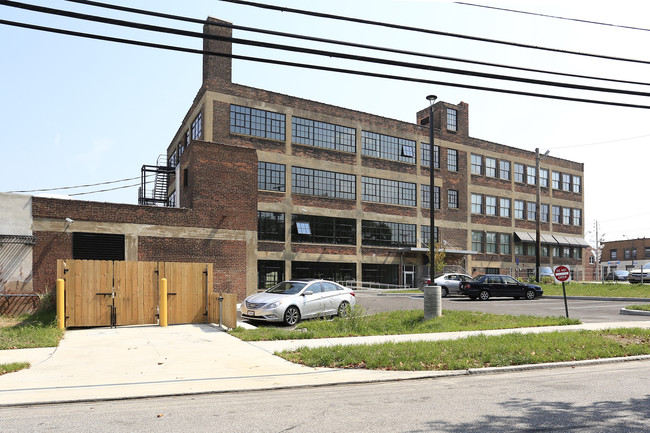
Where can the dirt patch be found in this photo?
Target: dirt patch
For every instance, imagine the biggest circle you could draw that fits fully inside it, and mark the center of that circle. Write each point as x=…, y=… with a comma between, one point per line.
x=628, y=339
x=7, y=321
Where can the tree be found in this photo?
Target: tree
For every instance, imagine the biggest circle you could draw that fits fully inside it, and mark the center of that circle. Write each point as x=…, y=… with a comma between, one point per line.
x=439, y=255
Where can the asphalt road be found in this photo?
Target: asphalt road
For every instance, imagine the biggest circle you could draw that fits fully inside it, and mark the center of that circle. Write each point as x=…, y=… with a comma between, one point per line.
x=588, y=311
x=601, y=398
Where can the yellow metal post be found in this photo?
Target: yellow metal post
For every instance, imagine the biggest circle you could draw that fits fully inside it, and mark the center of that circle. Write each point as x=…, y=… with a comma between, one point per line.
x=163, y=302
x=60, y=303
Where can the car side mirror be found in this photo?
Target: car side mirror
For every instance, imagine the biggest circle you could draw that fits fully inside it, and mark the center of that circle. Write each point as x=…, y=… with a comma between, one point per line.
x=307, y=293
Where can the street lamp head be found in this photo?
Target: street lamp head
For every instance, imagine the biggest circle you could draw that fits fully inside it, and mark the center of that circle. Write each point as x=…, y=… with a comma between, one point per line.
x=547, y=152
x=432, y=99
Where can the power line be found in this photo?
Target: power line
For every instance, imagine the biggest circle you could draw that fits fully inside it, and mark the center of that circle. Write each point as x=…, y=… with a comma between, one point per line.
x=319, y=67
x=429, y=31
x=555, y=17
x=600, y=142
x=76, y=186
x=346, y=43
x=105, y=190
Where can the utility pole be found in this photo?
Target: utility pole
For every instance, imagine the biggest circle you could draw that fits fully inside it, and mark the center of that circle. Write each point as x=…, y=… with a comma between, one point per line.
x=538, y=242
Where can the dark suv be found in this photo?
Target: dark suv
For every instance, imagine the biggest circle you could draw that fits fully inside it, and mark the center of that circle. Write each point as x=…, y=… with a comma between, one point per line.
x=484, y=287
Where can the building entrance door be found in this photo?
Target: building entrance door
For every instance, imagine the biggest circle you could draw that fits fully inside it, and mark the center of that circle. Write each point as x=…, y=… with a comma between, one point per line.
x=409, y=278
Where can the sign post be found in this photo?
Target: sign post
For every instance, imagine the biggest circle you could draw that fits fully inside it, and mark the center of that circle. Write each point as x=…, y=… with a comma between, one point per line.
x=563, y=274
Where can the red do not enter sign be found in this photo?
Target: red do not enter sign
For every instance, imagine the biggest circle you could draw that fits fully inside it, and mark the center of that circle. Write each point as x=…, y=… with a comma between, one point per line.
x=562, y=273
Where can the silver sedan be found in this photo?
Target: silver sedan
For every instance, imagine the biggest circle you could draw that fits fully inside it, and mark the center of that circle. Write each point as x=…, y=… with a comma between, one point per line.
x=290, y=301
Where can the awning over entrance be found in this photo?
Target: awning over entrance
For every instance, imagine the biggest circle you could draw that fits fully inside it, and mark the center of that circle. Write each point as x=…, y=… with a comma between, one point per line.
x=554, y=239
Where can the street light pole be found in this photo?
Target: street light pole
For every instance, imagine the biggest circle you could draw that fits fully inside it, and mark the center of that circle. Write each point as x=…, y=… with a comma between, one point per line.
x=432, y=100
x=538, y=242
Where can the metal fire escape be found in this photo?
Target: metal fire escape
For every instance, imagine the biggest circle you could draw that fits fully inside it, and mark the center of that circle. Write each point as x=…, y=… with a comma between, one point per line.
x=154, y=183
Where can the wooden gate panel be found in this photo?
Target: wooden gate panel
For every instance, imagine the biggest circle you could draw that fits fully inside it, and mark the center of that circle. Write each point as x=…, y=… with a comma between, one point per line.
x=89, y=287
x=135, y=287
x=186, y=288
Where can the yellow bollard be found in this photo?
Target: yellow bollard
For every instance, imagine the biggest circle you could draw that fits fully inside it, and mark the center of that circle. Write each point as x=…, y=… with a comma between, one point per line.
x=60, y=303
x=163, y=302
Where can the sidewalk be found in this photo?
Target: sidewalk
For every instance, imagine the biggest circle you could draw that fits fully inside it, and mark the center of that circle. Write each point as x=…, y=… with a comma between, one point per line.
x=149, y=361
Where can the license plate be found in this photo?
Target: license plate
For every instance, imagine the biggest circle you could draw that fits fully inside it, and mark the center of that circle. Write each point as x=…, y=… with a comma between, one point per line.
x=251, y=313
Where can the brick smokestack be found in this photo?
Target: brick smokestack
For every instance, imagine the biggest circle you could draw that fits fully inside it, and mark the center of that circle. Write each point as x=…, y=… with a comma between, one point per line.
x=216, y=69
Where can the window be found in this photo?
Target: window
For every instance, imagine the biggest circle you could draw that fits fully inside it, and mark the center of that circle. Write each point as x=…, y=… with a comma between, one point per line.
x=626, y=254
x=323, y=230
x=531, y=211
x=490, y=167
x=477, y=203
x=556, y=180
x=555, y=251
x=519, y=209
x=388, y=234
x=436, y=197
x=477, y=164
x=426, y=234
x=452, y=119
x=566, y=182
x=426, y=155
x=387, y=147
x=543, y=213
x=426, y=195
x=388, y=191
x=504, y=207
x=490, y=205
x=519, y=172
x=647, y=252
x=452, y=160
x=577, y=217
x=270, y=226
x=270, y=177
x=633, y=253
x=556, y=214
x=543, y=177
x=566, y=216
x=258, y=123
x=197, y=127
x=504, y=243
x=613, y=254
x=452, y=199
x=477, y=242
x=325, y=135
x=577, y=180
x=504, y=170
x=531, y=175
x=491, y=243
x=323, y=183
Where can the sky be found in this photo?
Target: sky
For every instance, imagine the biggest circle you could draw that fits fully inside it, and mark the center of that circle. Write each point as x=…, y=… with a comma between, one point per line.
x=77, y=111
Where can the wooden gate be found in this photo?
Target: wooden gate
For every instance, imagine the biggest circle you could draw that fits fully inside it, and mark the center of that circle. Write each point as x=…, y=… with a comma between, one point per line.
x=105, y=293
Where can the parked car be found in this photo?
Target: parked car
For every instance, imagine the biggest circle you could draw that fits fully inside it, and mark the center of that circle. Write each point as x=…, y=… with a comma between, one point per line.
x=448, y=282
x=290, y=301
x=545, y=271
x=636, y=275
x=484, y=287
x=617, y=276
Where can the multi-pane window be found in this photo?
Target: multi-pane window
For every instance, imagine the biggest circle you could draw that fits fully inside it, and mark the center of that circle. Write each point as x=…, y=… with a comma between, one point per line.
x=504, y=243
x=613, y=254
x=519, y=172
x=531, y=175
x=387, y=147
x=491, y=243
x=477, y=164
x=452, y=119
x=490, y=205
x=270, y=226
x=566, y=182
x=556, y=180
x=531, y=211
x=452, y=160
x=425, y=160
x=647, y=252
x=323, y=230
x=504, y=207
x=197, y=127
x=172, y=161
x=543, y=177
x=477, y=242
x=426, y=197
x=270, y=177
x=556, y=214
x=566, y=216
x=626, y=254
x=452, y=199
x=436, y=197
x=490, y=167
x=323, y=183
x=504, y=170
x=425, y=232
x=633, y=253
x=259, y=123
x=577, y=217
x=577, y=184
x=388, y=191
x=321, y=134
x=477, y=203
x=388, y=234
x=543, y=213
x=519, y=209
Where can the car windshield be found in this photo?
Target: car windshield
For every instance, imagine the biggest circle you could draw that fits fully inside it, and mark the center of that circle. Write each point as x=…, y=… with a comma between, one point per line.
x=287, y=288
x=646, y=266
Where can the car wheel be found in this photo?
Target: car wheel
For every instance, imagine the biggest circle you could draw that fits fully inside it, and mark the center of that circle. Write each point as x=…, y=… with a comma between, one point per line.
x=444, y=292
x=344, y=309
x=484, y=295
x=530, y=294
x=291, y=316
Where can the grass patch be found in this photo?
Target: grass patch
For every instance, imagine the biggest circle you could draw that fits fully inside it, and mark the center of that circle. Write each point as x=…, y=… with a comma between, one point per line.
x=645, y=307
x=31, y=330
x=615, y=290
x=398, y=322
x=14, y=366
x=480, y=351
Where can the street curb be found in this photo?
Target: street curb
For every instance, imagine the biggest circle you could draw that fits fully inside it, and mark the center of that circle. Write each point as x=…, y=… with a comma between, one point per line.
x=635, y=312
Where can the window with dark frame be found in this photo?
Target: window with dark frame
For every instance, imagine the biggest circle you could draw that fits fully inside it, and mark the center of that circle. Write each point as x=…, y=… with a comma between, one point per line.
x=452, y=160
x=388, y=234
x=387, y=147
x=323, y=183
x=388, y=191
x=271, y=177
x=323, y=230
x=452, y=199
x=270, y=226
x=258, y=123
x=452, y=119
x=322, y=134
